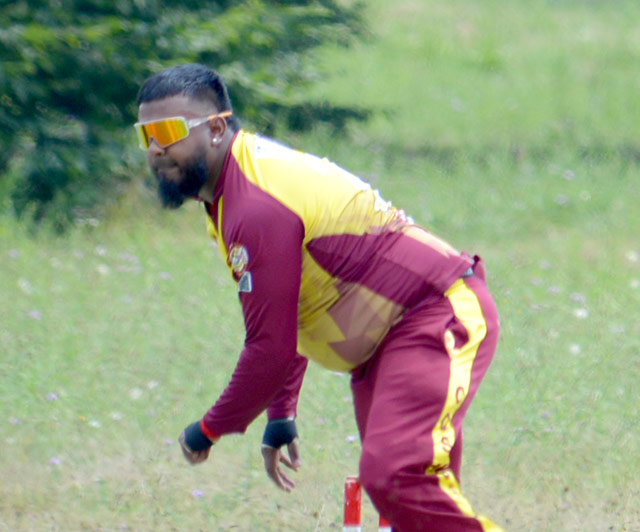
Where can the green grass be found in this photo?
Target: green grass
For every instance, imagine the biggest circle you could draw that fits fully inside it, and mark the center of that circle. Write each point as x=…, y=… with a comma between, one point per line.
x=509, y=128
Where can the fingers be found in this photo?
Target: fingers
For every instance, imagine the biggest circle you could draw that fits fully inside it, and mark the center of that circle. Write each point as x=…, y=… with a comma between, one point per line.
x=272, y=458
x=286, y=461
x=193, y=457
x=294, y=454
x=293, y=460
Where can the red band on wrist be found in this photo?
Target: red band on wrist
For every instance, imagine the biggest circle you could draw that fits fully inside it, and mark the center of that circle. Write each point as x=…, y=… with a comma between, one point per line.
x=209, y=434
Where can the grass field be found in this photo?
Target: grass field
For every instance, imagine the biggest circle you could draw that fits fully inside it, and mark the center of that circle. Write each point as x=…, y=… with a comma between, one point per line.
x=510, y=129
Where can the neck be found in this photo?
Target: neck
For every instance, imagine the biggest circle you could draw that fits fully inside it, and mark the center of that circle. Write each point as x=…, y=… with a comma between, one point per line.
x=216, y=165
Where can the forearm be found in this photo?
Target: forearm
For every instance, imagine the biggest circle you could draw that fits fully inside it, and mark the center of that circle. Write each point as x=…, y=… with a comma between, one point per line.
x=285, y=402
x=258, y=377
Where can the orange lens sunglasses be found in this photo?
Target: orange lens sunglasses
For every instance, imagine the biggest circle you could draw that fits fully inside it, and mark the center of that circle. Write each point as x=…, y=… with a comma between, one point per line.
x=170, y=130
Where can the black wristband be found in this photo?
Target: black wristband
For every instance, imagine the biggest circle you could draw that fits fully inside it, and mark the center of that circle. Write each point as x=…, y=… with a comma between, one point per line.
x=279, y=432
x=195, y=439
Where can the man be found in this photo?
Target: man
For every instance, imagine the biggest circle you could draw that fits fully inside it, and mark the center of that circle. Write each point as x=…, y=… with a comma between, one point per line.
x=326, y=270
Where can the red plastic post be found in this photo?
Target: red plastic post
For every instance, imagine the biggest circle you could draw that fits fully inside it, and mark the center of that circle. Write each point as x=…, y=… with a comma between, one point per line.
x=383, y=525
x=352, y=505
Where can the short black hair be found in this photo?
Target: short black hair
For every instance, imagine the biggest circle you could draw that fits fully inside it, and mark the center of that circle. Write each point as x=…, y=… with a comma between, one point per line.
x=195, y=81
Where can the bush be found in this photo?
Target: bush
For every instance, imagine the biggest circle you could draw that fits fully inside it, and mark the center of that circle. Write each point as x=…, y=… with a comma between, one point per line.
x=70, y=72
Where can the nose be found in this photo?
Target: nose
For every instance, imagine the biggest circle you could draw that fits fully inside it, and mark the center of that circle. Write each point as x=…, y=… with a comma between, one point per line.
x=154, y=150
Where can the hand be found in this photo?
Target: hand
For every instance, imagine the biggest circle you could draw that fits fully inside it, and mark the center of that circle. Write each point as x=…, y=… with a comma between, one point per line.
x=193, y=457
x=194, y=444
x=274, y=457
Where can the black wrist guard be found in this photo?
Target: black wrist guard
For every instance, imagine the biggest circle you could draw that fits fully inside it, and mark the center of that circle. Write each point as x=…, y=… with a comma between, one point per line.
x=279, y=432
x=195, y=439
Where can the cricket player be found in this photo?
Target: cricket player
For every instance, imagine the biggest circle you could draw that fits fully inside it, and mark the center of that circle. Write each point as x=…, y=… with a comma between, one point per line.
x=327, y=270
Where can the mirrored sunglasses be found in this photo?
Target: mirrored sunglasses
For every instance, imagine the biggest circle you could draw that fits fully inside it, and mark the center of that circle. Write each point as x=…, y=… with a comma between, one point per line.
x=169, y=130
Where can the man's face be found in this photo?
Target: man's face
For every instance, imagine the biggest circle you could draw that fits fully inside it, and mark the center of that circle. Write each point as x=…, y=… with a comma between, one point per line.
x=181, y=169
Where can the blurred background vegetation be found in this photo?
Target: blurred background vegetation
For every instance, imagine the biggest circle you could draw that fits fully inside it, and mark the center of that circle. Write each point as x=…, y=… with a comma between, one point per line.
x=70, y=72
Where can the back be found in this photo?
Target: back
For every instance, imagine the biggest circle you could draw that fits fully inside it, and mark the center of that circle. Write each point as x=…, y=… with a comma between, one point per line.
x=363, y=262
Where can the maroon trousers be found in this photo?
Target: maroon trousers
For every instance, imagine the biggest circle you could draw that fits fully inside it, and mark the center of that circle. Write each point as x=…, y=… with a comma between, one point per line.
x=410, y=399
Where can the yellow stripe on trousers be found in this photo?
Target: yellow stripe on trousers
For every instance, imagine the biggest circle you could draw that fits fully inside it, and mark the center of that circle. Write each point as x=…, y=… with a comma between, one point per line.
x=448, y=483
x=467, y=309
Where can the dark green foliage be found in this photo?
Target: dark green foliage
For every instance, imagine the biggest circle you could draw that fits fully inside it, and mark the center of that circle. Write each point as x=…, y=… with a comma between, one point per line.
x=70, y=72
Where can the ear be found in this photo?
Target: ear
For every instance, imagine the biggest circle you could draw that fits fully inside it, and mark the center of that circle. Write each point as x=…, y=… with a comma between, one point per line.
x=217, y=127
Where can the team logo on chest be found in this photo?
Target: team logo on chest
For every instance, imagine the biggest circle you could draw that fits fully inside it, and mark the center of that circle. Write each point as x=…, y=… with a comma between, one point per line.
x=238, y=259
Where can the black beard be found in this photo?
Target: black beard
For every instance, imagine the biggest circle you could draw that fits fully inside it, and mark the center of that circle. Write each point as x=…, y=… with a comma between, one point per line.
x=193, y=177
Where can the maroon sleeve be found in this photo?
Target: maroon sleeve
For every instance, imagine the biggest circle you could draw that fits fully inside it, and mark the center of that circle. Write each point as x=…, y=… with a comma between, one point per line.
x=285, y=402
x=272, y=236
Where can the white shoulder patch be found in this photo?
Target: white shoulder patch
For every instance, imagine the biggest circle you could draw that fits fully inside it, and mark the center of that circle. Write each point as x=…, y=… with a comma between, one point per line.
x=270, y=149
x=245, y=284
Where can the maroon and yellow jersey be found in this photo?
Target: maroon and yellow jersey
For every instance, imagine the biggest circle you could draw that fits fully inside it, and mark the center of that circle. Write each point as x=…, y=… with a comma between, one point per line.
x=324, y=266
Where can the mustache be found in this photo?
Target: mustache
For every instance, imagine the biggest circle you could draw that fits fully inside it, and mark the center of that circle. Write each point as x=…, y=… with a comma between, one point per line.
x=159, y=169
x=163, y=163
